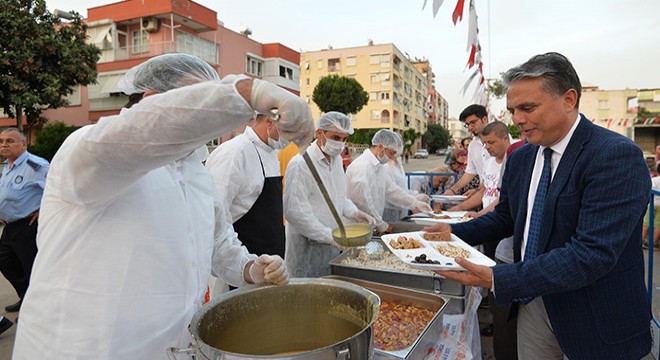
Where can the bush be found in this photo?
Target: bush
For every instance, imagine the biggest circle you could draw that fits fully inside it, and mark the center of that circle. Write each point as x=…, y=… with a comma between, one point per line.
x=50, y=138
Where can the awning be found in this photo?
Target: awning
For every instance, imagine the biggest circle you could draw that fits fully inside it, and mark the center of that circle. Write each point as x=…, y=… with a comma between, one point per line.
x=108, y=83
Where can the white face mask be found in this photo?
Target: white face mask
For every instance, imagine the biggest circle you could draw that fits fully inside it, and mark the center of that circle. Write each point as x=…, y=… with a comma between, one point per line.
x=383, y=160
x=277, y=144
x=333, y=147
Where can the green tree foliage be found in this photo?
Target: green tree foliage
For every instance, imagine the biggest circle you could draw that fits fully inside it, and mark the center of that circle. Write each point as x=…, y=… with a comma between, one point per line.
x=41, y=59
x=339, y=93
x=409, y=136
x=50, y=138
x=514, y=131
x=496, y=88
x=436, y=137
x=362, y=136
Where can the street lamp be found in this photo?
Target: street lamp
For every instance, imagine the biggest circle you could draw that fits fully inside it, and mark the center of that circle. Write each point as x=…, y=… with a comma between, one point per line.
x=63, y=14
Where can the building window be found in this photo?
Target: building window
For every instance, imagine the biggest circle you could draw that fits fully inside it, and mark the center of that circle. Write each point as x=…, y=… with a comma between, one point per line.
x=333, y=65
x=307, y=81
x=140, y=42
x=254, y=66
x=374, y=59
x=375, y=114
x=374, y=78
x=286, y=72
x=351, y=61
x=373, y=96
x=194, y=45
x=602, y=104
x=320, y=64
x=384, y=96
x=385, y=60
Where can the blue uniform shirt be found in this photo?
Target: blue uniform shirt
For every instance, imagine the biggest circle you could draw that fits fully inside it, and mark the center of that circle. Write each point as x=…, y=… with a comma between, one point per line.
x=22, y=187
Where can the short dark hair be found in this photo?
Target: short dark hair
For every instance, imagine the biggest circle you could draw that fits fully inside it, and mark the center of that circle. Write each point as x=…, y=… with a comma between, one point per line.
x=554, y=68
x=474, y=109
x=496, y=127
x=463, y=140
x=133, y=99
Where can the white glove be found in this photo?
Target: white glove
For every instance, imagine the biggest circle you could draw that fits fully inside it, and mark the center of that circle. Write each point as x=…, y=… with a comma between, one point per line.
x=382, y=227
x=422, y=207
x=329, y=240
x=363, y=217
x=295, y=117
x=422, y=197
x=269, y=268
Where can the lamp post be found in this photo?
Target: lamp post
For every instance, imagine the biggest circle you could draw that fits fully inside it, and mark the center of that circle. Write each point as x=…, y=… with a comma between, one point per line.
x=63, y=14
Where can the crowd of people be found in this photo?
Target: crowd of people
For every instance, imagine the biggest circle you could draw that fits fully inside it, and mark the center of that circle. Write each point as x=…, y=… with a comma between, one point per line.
x=112, y=247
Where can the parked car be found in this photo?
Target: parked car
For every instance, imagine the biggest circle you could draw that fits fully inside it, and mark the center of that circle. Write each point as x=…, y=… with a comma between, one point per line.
x=421, y=154
x=346, y=156
x=441, y=152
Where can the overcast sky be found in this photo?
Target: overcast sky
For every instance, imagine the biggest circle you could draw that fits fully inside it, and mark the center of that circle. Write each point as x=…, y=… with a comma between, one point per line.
x=612, y=44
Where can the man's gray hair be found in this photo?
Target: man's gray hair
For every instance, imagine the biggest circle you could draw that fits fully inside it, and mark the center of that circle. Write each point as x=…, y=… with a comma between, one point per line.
x=556, y=71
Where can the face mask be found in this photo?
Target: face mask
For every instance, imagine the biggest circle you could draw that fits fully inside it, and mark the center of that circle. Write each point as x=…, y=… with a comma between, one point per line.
x=333, y=147
x=383, y=160
x=277, y=144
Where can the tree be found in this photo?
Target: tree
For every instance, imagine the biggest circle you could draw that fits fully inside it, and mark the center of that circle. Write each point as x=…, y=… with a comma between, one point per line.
x=409, y=136
x=41, y=59
x=340, y=93
x=436, y=137
x=50, y=138
x=514, y=131
x=496, y=88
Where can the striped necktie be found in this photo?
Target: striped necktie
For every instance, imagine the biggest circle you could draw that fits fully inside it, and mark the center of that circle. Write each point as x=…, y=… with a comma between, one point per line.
x=532, y=250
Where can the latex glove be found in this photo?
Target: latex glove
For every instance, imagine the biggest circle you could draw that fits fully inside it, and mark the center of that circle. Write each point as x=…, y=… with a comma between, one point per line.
x=269, y=269
x=422, y=197
x=329, y=240
x=422, y=207
x=363, y=217
x=294, y=119
x=382, y=227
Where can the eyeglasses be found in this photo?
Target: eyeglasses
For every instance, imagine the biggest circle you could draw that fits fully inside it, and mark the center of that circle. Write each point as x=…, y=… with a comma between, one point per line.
x=471, y=123
x=8, y=141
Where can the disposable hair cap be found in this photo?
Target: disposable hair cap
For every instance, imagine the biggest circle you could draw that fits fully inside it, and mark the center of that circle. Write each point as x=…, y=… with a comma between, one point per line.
x=389, y=139
x=166, y=72
x=335, y=121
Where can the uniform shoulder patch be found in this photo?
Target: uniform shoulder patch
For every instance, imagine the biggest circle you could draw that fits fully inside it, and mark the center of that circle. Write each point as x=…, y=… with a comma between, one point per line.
x=33, y=164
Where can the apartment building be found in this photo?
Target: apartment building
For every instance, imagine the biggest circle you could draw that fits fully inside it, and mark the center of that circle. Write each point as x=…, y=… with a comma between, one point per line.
x=437, y=108
x=618, y=111
x=132, y=31
x=397, y=89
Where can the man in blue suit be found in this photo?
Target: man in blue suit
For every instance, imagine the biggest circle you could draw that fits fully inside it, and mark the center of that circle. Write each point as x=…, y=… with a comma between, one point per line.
x=575, y=211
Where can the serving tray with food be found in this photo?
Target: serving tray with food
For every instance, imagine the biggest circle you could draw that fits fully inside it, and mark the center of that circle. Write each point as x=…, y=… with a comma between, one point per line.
x=433, y=251
x=446, y=217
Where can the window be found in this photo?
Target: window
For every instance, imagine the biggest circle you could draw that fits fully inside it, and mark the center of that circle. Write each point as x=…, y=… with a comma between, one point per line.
x=307, y=81
x=385, y=60
x=320, y=64
x=140, y=42
x=375, y=114
x=373, y=96
x=602, y=104
x=374, y=78
x=333, y=65
x=384, y=96
x=374, y=59
x=194, y=45
x=351, y=61
x=254, y=66
x=286, y=72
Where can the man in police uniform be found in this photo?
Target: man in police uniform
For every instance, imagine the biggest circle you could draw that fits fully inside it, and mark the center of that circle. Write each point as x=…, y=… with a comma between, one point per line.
x=21, y=188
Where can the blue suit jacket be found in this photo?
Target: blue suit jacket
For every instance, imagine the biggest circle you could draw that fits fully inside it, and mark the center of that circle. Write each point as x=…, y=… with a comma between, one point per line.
x=591, y=269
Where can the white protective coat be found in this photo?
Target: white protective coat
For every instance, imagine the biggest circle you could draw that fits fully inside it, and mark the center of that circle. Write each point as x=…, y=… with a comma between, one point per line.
x=394, y=169
x=309, y=220
x=369, y=187
x=129, y=224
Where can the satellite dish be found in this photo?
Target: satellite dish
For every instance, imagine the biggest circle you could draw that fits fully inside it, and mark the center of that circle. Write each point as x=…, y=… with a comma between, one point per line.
x=245, y=30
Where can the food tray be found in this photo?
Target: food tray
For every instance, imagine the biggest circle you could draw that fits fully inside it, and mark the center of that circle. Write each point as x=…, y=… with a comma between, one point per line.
x=455, y=217
x=429, y=248
x=449, y=199
x=428, y=337
x=349, y=264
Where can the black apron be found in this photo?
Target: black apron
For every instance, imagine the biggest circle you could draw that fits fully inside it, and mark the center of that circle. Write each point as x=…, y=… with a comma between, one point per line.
x=261, y=229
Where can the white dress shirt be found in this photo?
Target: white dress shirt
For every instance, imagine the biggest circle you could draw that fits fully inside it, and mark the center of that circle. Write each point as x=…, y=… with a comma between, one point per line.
x=558, y=150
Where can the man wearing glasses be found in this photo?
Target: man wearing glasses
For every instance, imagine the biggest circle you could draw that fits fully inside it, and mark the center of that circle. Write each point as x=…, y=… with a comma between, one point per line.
x=475, y=118
x=21, y=188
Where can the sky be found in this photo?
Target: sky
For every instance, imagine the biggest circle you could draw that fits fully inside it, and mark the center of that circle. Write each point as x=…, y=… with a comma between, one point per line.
x=612, y=44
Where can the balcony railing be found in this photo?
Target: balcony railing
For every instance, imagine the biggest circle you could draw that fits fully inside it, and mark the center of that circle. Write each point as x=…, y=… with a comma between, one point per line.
x=150, y=49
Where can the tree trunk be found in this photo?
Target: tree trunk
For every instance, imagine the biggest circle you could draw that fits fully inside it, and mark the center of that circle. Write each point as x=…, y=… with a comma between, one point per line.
x=19, y=118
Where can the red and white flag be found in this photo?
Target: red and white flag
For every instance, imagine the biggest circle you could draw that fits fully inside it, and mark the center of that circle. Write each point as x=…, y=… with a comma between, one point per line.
x=473, y=28
x=457, y=15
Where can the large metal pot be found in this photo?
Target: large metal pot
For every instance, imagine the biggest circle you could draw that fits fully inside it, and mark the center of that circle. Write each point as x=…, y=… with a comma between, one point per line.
x=306, y=319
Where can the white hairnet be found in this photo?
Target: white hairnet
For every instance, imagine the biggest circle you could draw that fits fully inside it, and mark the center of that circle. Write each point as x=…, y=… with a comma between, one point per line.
x=166, y=72
x=335, y=121
x=388, y=138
